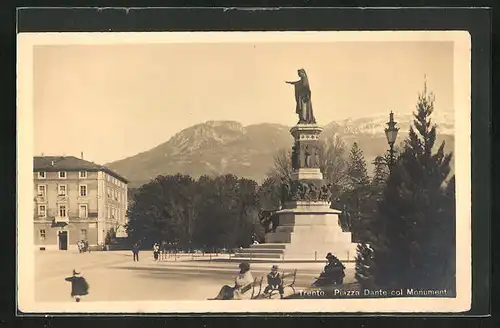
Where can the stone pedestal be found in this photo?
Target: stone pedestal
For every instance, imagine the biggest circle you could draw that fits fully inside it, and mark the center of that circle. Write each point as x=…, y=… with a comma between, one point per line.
x=309, y=230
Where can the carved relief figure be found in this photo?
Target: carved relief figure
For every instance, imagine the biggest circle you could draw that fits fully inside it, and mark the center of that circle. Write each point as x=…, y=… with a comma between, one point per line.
x=307, y=155
x=316, y=153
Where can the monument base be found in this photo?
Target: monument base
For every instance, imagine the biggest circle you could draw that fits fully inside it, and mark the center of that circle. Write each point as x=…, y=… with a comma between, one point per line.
x=307, y=231
x=307, y=174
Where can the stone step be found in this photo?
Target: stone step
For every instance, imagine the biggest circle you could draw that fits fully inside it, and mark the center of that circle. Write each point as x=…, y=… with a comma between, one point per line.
x=254, y=250
x=259, y=255
x=268, y=246
x=269, y=260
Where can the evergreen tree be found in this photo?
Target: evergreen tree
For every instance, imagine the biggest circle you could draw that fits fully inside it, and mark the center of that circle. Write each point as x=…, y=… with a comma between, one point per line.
x=364, y=265
x=380, y=175
x=357, y=192
x=364, y=258
x=357, y=174
x=414, y=234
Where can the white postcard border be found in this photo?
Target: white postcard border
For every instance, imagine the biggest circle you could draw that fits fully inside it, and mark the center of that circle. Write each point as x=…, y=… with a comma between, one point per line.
x=25, y=247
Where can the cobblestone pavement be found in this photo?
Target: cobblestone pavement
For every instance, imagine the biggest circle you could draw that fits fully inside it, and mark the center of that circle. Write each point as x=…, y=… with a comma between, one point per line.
x=113, y=276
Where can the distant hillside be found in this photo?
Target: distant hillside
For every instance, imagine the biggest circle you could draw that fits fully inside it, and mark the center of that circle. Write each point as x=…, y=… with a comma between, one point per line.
x=220, y=147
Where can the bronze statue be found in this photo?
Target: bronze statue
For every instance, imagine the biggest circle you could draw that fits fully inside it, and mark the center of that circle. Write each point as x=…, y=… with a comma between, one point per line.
x=285, y=192
x=313, y=192
x=303, y=190
x=269, y=220
x=326, y=193
x=295, y=157
x=303, y=98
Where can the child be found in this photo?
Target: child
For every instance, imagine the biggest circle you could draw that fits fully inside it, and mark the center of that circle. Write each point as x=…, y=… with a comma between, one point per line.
x=274, y=281
x=79, y=286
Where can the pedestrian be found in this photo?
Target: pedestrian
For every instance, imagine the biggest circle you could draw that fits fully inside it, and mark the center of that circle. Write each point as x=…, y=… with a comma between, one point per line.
x=135, y=251
x=156, y=251
x=79, y=286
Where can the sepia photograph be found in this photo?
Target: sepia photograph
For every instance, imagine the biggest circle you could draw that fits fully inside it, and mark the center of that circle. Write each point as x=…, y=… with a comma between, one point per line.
x=276, y=171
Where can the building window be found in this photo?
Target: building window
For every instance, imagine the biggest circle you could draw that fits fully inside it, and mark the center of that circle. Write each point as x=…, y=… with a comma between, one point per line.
x=83, y=174
x=83, y=211
x=41, y=175
x=116, y=195
x=41, y=234
x=62, y=175
x=41, y=190
x=62, y=211
x=62, y=190
x=42, y=211
x=83, y=190
x=109, y=192
x=109, y=213
x=83, y=234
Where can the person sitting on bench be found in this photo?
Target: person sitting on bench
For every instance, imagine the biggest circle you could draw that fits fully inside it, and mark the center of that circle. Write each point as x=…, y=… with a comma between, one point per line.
x=274, y=281
x=333, y=273
x=243, y=283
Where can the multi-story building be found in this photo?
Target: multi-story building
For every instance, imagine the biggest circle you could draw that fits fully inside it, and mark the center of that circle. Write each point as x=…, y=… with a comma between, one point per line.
x=74, y=200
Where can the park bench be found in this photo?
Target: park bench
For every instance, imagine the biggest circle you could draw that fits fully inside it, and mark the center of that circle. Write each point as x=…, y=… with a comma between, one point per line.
x=288, y=281
x=257, y=282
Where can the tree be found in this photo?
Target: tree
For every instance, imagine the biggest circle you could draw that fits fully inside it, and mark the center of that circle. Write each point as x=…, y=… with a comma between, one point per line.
x=282, y=166
x=270, y=193
x=414, y=235
x=333, y=164
x=356, y=192
x=380, y=175
x=161, y=210
x=357, y=173
x=227, y=211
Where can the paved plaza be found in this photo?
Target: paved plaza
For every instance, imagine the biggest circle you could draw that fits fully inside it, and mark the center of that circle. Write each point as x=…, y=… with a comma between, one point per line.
x=113, y=276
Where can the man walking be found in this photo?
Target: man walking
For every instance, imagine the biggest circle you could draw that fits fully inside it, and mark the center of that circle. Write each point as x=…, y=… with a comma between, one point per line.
x=135, y=251
x=79, y=286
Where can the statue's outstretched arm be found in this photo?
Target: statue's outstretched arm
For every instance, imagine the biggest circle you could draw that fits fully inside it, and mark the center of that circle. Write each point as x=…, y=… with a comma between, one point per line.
x=293, y=82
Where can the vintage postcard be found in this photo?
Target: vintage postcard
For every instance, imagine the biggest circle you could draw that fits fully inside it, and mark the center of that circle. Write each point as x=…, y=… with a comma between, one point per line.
x=244, y=172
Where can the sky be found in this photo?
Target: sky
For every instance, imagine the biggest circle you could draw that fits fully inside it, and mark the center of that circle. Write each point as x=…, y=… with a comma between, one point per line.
x=114, y=101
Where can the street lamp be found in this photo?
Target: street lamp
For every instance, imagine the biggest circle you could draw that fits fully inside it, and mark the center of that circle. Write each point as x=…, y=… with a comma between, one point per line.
x=391, y=132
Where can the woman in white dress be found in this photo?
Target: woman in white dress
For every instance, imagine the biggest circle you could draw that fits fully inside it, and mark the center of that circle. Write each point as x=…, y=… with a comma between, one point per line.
x=243, y=285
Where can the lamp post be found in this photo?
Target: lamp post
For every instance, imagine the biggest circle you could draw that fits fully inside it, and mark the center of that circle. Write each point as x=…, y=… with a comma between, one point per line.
x=391, y=132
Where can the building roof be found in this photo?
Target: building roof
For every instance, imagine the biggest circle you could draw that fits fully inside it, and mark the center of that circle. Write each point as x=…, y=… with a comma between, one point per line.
x=69, y=163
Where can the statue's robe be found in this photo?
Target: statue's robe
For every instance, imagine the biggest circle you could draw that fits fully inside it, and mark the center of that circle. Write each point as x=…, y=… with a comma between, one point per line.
x=303, y=100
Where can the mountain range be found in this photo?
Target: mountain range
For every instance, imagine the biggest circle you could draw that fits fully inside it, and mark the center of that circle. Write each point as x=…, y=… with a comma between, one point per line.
x=221, y=147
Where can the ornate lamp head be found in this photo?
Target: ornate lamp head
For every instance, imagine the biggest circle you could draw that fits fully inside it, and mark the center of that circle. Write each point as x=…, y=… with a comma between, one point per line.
x=391, y=132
